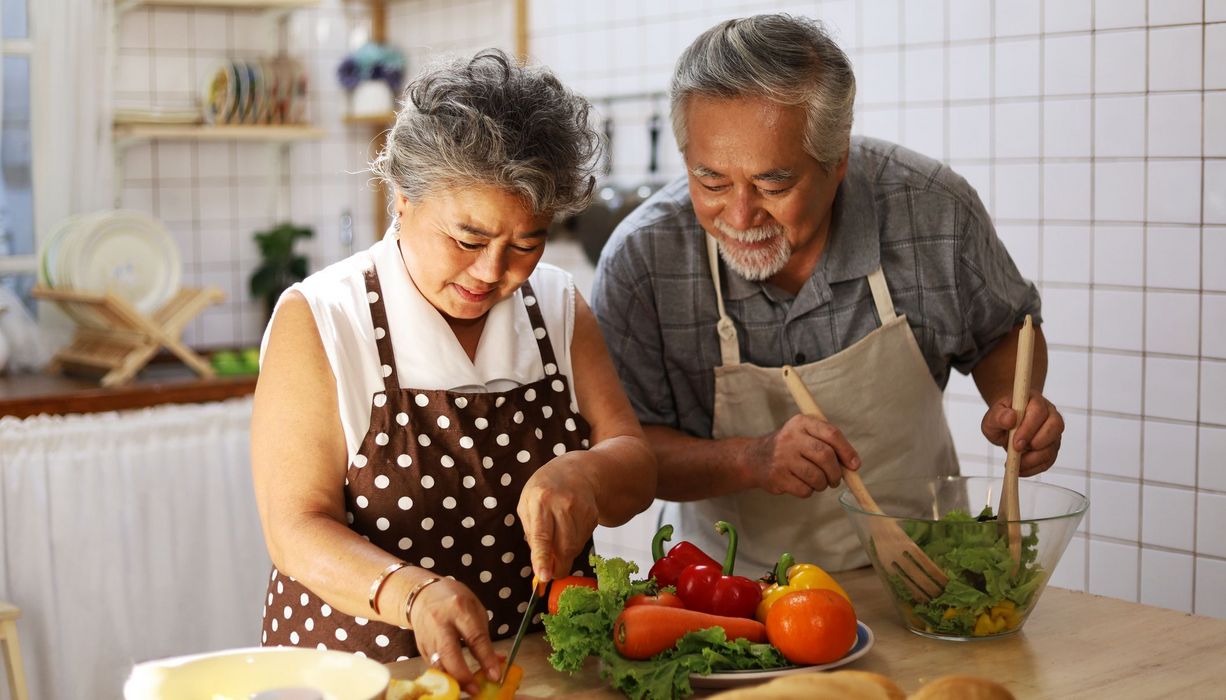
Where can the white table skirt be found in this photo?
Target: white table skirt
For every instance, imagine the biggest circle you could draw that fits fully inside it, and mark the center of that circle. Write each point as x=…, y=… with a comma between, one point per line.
x=128, y=536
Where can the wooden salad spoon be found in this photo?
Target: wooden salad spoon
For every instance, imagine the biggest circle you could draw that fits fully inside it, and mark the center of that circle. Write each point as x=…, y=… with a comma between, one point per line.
x=895, y=550
x=1010, y=511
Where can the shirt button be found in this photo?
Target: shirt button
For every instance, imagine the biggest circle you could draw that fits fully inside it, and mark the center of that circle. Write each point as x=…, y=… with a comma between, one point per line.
x=800, y=358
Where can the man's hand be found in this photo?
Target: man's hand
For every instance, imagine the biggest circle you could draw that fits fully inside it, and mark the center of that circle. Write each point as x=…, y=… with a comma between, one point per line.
x=559, y=512
x=1037, y=438
x=804, y=456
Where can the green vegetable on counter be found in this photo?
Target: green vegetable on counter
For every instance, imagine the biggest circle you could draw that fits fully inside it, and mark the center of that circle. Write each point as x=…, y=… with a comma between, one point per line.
x=983, y=595
x=583, y=627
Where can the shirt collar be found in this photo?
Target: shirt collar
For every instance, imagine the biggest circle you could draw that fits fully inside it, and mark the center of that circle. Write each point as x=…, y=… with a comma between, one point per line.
x=854, y=248
x=423, y=341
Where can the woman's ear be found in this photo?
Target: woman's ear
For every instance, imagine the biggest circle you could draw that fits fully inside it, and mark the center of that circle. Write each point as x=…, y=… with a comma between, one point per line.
x=402, y=204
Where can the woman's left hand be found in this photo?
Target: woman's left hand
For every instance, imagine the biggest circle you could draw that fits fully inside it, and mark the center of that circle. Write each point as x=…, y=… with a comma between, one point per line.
x=559, y=513
x=1037, y=438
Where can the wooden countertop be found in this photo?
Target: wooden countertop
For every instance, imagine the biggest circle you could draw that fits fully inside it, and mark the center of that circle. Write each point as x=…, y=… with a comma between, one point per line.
x=23, y=395
x=1073, y=645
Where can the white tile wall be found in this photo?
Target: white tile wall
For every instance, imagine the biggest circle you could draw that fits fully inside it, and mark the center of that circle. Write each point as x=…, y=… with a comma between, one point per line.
x=1094, y=131
x=214, y=196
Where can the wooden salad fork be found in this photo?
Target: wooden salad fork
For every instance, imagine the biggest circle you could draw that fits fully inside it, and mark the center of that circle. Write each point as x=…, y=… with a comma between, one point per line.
x=1009, y=511
x=895, y=550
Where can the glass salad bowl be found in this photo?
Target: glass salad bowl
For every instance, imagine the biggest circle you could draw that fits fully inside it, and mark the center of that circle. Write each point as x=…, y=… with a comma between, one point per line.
x=951, y=519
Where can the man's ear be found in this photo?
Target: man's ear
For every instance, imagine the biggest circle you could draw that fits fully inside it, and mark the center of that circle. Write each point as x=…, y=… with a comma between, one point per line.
x=840, y=170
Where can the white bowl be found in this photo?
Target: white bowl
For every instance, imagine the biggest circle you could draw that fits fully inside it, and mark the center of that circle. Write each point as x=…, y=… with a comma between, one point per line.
x=238, y=674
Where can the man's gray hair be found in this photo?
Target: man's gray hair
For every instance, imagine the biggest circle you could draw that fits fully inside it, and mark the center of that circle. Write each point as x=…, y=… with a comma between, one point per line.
x=790, y=60
x=490, y=121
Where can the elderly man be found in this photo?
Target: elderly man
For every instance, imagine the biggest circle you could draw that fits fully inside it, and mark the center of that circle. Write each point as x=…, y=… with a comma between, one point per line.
x=870, y=268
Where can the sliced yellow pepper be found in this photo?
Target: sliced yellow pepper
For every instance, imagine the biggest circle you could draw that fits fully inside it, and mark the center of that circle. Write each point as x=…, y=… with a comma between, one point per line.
x=431, y=685
x=791, y=577
x=501, y=691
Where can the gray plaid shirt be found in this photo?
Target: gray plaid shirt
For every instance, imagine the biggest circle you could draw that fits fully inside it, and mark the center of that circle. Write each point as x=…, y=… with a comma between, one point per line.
x=944, y=265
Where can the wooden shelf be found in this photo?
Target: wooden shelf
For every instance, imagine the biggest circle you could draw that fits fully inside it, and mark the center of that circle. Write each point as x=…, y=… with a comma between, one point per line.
x=208, y=132
x=255, y=5
x=372, y=119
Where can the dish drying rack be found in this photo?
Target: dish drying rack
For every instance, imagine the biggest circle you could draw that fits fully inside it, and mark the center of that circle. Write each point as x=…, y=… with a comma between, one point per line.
x=119, y=347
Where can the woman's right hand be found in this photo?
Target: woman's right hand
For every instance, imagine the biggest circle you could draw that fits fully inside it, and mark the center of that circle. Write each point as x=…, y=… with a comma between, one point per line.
x=445, y=616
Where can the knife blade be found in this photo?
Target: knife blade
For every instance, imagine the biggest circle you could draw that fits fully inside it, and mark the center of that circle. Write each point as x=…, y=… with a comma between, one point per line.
x=539, y=590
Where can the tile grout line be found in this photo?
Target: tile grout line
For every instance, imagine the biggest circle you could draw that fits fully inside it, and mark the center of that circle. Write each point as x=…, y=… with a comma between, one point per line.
x=1144, y=312
x=1200, y=315
x=1089, y=450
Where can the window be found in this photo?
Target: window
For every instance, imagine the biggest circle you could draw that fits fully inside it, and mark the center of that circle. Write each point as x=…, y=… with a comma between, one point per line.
x=18, y=247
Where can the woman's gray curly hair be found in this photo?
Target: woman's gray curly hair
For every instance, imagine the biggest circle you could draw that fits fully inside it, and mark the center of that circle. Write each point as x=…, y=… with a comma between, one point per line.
x=490, y=121
x=790, y=60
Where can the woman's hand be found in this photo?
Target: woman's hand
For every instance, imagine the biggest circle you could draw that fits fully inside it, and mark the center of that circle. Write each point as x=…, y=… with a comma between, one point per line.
x=445, y=615
x=1037, y=438
x=559, y=512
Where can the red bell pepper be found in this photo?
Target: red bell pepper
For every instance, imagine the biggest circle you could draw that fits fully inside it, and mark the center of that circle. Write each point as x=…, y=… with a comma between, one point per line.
x=713, y=590
x=667, y=569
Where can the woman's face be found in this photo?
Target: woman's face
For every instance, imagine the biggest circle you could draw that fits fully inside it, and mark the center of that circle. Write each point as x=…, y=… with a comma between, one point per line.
x=467, y=249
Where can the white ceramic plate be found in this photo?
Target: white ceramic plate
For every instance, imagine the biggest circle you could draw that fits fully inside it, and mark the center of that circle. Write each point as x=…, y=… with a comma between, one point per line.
x=123, y=252
x=731, y=679
x=218, y=94
x=53, y=272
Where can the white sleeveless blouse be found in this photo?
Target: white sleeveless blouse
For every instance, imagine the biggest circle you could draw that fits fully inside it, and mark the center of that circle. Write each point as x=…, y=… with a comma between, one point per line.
x=428, y=355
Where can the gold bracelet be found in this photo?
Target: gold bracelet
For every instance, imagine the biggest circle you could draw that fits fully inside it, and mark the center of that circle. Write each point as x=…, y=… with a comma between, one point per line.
x=378, y=584
x=408, y=602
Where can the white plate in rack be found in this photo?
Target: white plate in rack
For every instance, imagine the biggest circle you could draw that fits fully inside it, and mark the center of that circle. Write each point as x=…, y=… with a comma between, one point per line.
x=121, y=252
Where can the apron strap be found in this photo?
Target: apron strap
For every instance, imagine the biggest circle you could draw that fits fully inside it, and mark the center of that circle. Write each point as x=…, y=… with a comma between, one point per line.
x=881, y=295
x=383, y=334
x=729, y=348
x=538, y=327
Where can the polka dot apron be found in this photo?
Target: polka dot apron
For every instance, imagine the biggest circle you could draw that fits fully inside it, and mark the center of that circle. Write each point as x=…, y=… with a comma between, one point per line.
x=436, y=483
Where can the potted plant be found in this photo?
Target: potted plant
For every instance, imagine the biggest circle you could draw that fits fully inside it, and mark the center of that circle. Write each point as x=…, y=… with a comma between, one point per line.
x=280, y=266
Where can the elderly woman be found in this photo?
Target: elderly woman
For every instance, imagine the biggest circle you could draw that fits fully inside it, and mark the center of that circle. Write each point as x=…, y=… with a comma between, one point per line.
x=437, y=418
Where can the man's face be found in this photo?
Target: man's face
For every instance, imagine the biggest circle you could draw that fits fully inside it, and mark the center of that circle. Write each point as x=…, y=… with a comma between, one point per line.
x=754, y=188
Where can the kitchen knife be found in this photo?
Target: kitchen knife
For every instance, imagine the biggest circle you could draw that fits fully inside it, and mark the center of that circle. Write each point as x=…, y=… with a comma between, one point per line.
x=539, y=590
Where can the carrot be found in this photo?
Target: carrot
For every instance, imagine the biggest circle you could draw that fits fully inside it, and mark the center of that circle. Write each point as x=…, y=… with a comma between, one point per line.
x=642, y=631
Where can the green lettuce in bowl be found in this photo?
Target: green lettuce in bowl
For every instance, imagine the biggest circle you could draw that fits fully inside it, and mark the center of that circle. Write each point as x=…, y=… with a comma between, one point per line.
x=987, y=595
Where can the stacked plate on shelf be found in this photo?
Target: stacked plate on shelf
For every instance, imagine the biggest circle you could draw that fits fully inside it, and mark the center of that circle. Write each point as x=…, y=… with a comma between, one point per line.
x=121, y=252
x=268, y=91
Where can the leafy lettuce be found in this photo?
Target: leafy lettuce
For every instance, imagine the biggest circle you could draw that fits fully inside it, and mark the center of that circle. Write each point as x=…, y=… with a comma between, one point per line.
x=583, y=627
x=974, y=553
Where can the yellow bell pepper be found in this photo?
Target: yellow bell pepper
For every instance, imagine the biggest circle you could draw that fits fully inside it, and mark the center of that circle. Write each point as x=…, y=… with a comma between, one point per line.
x=791, y=577
x=505, y=690
x=431, y=685
x=999, y=618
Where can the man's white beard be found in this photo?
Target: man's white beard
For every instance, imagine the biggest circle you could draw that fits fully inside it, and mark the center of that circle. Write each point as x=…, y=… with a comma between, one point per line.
x=755, y=264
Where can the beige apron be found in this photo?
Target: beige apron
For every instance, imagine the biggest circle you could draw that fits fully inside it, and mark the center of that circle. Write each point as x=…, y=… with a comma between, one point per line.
x=878, y=392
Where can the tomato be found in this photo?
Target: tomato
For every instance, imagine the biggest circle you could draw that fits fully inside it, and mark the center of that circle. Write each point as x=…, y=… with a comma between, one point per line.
x=664, y=599
x=813, y=626
x=559, y=585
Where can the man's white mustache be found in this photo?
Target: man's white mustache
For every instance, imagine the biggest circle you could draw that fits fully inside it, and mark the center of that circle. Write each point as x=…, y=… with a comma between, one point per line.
x=753, y=235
